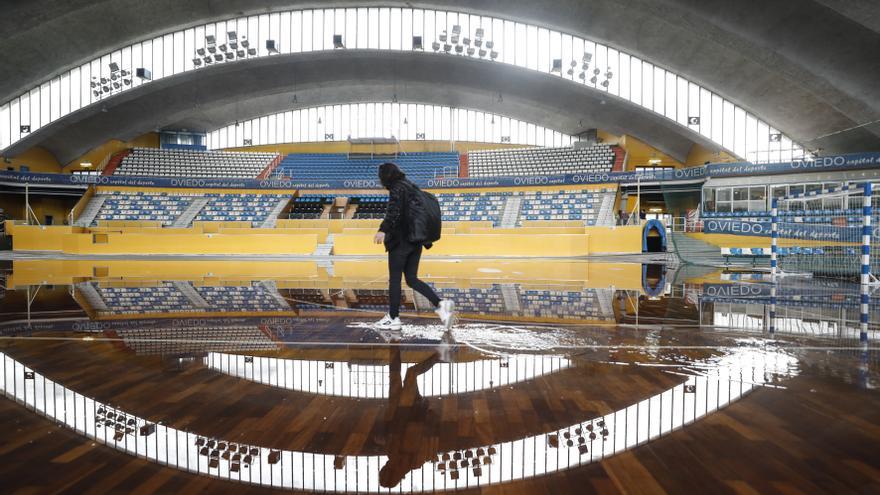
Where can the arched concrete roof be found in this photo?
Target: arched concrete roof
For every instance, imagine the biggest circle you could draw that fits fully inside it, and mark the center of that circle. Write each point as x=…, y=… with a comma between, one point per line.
x=808, y=67
x=218, y=95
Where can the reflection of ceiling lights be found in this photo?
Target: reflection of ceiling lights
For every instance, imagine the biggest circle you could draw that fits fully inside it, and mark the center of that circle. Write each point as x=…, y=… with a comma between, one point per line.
x=654, y=161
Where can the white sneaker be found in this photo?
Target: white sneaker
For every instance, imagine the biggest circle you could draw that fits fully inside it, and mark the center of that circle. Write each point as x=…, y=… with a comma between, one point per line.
x=388, y=323
x=444, y=349
x=446, y=312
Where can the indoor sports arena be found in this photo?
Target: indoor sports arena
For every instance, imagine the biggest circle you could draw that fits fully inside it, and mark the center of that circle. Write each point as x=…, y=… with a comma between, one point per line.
x=594, y=246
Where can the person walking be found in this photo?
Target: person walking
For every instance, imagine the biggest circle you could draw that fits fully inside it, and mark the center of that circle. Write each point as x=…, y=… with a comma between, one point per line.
x=405, y=214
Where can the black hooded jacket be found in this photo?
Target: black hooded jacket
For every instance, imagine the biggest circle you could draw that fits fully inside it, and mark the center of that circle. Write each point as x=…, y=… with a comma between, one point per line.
x=395, y=225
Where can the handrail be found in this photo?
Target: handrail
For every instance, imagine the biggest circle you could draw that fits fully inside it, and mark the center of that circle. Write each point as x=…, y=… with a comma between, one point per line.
x=685, y=224
x=105, y=161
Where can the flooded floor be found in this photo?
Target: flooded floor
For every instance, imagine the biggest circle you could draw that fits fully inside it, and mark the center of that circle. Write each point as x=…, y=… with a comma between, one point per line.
x=558, y=377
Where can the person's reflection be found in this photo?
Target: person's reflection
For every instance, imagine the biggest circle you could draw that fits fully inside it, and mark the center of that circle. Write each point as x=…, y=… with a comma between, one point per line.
x=411, y=437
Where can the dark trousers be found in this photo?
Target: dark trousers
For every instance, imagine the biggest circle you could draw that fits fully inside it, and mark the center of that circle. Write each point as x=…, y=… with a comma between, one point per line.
x=404, y=260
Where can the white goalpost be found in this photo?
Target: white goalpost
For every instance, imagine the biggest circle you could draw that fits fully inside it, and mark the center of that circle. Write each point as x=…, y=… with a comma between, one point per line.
x=825, y=233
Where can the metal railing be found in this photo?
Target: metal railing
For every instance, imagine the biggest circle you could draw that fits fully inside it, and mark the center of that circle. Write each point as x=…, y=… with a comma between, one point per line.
x=685, y=224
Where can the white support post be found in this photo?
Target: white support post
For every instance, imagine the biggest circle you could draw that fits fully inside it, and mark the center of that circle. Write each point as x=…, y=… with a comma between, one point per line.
x=28, y=211
x=866, y=279
x=639, y=199
x=774, y=239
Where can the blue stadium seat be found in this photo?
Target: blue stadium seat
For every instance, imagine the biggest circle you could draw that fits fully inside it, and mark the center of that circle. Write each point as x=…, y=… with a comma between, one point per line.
x=338, y=166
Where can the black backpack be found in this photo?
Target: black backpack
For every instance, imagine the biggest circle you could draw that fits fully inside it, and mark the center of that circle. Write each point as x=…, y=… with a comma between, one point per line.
x=423, y=217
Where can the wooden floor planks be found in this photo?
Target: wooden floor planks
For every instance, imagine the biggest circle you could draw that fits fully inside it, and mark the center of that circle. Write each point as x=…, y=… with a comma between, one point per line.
x=818, y=435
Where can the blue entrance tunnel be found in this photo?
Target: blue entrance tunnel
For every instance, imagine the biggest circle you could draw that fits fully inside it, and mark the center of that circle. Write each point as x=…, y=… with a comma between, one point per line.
x=654, y=237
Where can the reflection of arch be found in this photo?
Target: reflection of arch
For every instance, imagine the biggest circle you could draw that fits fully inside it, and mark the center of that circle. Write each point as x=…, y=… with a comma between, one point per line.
x=654, y=237
x=720, y=383
x=371, y=381
x=653, y=279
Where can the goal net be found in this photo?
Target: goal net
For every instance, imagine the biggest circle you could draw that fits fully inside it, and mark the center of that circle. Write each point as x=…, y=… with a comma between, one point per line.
x=826, y=233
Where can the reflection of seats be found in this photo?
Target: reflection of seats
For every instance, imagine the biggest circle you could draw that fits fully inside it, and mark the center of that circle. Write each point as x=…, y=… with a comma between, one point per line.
x=170, y=297
x=372, y=298
x=562, y=304
x=301, y=298
x=532, y=303
x=377, y=300
x=163, y=298
x=253, y=297
x=196, y=340
x=475, y=301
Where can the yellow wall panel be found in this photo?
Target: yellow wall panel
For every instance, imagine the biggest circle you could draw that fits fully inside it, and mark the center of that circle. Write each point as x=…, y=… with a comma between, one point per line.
x=615, y=239
x=638, y=153
x=193, y=244
x=72, y=240
x=36, y=159
x=553, y=223
x=36, y=238
x=699, y=155
x=320, y=233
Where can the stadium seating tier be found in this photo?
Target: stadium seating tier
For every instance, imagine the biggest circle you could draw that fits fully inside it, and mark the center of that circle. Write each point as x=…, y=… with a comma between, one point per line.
x=339, y=166
x=157, y=162
x=541, y=161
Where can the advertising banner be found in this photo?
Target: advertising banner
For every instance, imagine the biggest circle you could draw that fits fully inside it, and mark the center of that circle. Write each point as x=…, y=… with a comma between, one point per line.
x=816, y=232
x=830, y=163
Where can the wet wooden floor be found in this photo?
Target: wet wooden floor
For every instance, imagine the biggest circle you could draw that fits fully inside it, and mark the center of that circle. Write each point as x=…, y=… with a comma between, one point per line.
x=820, y=435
